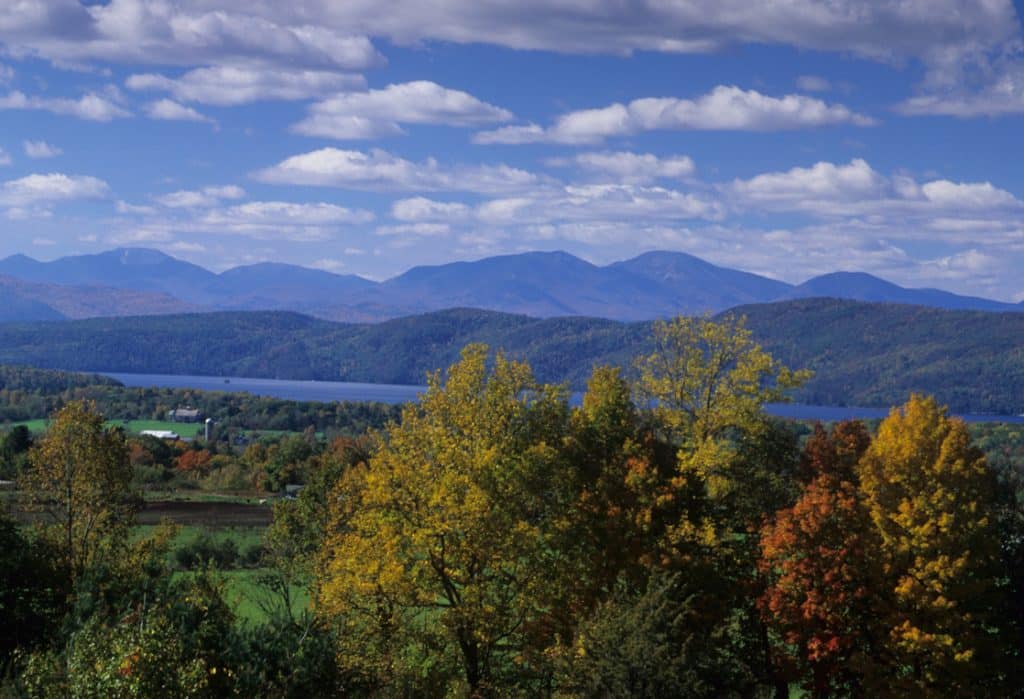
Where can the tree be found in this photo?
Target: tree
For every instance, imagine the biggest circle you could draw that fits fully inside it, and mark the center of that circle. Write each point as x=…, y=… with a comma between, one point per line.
x=31, y=596
x=651, y=642
x=79, y=477
x=440, y=554
x=931, y=497
x=706, y=383
x=708, y=377
x=819, y=559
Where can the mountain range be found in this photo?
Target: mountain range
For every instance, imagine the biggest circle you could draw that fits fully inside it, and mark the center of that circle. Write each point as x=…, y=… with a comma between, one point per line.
x=141, y=281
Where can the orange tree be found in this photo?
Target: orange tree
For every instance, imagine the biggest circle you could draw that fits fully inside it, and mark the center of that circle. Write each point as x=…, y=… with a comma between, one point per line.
x=819, y=559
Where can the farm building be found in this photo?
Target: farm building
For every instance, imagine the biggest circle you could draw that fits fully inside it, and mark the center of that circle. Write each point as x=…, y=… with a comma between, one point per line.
x=184, y=415
x=161, y=434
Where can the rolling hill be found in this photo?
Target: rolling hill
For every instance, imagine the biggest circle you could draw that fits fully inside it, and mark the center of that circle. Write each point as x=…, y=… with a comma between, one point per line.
x=862, y=353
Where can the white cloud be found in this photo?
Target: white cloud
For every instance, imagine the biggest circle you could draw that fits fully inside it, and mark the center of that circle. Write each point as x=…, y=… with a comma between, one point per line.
x=40, y=149
x=951, y=38
x=822, y=181
x=279, y=212
x=53, y=187
x=203, y=198
x=5, y=158
x=423, y=209
x=813, y=83
x=228, y=85
x=634, y=168
x=270, y=220
x=145, y=234
x=168, y=110
x=91, y=106
x=599, y=202
x=876, y=30
x=43, y=242
x=6, y=74
x=948, y=92
x=725, y=108
x=426, y=230
x=189, y=32
x=979, y=195
x=380, y=112
x=328, y=264
x=123, y=207
x=379, y=170
x=856, y=189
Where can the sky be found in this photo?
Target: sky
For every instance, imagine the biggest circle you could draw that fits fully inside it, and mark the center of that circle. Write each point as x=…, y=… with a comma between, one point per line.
x=786, y=137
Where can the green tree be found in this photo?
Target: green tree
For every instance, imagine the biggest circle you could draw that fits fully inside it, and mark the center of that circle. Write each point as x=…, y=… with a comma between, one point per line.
x=79, y=478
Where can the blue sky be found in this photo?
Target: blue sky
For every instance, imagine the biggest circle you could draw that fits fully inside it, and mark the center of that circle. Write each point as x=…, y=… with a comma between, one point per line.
x=788, y=138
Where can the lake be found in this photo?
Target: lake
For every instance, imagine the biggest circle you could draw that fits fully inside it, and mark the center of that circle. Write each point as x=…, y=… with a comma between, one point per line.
x=329, y=391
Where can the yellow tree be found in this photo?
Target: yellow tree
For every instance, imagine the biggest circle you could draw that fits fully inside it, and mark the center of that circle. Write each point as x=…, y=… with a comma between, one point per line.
x=930, y=495
x=79, y=479
x=708, y=377
x=707, y=382
x=442, y=546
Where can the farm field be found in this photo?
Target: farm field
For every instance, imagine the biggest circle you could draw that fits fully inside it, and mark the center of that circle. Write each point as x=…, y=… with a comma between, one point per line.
x=185, y=429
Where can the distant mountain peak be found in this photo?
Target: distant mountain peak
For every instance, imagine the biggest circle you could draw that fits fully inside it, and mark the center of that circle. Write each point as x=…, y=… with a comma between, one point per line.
x=540, y=283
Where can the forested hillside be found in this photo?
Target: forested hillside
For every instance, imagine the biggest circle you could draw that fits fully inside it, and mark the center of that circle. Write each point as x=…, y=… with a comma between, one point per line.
x=862, y=354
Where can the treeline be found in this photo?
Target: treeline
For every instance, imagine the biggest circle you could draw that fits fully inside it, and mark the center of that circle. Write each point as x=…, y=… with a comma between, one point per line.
x=665, y=538
x=862, y=354
x=48, y=381
x=44, y=393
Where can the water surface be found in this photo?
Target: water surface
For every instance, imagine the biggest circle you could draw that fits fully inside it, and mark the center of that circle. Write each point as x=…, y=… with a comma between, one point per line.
x=329, y=391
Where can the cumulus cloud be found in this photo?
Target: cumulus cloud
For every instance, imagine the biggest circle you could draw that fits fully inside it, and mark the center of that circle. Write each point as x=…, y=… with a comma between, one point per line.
x=5, y=158
x=423, y=209
x=725, y=108
x=91, y=107
x=49, y=188
x=856, y=189
x=600, y=202
x=229, y=85
x=190, y=32
x=40, y=149
x=378, y=170
x=426, y=230
x=632, y=168
x=999, y=92
x=876, y=30
x=271, y=220
x=854, y=181
x=380, y=112
x=202, y=198
x=206, y=212
x=168, y=110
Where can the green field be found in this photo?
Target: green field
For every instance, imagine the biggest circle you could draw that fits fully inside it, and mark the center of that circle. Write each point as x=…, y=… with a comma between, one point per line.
x=185, y=429
x=251, y=599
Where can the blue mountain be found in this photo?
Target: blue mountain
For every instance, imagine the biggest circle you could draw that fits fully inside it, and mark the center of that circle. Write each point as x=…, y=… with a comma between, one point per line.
x=541, y=284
